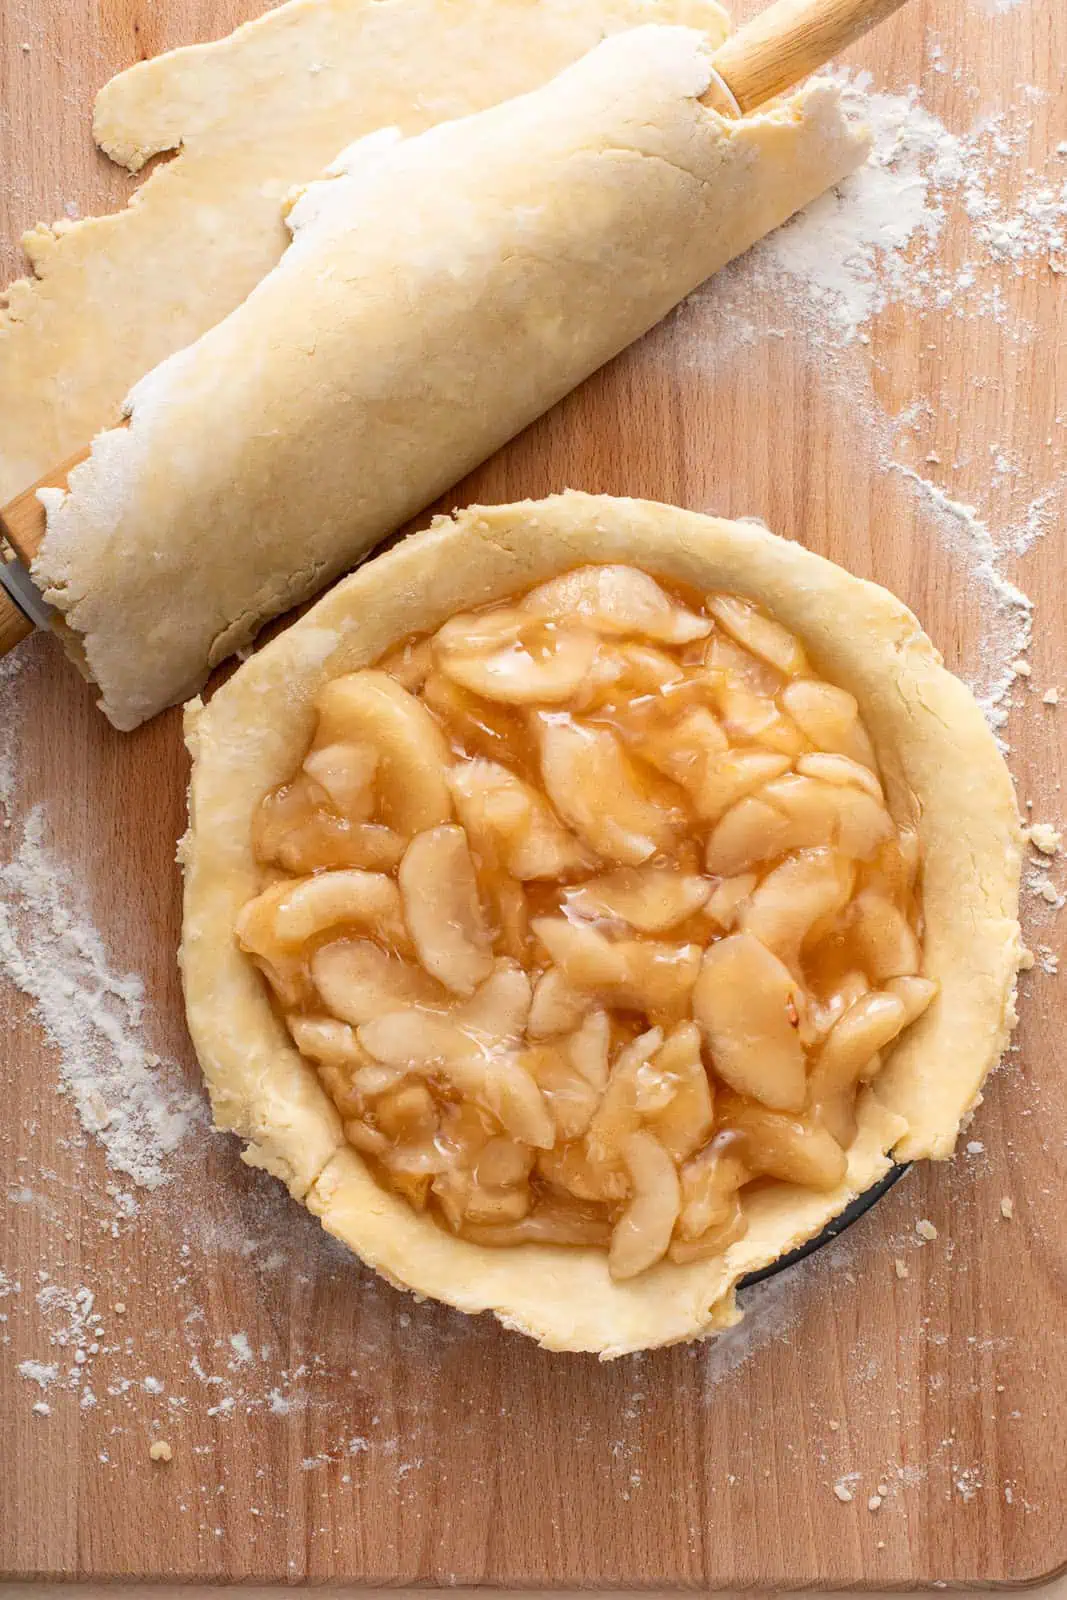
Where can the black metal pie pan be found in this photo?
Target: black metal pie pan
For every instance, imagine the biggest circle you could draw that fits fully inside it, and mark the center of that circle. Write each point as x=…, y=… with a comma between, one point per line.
x=852, y=1213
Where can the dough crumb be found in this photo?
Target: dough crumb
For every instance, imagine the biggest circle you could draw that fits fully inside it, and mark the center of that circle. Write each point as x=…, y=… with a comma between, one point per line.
x=925, y=1229
x=874, y=1502
x=881, y=1544
x=1044, y=837
x=975, y=1147
x=160, y=1450
x=843, y=1493
x=1007, y=1208
x=1051, y=697
x=119, y=1308
x=1021, y=669
x=900, y=1267
x=833, y=1426
x=41, y=1408
x=1050, y=961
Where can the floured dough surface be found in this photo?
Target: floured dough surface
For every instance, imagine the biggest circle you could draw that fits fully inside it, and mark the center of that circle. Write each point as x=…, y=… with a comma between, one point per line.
x=441, y=292
x=938, y=761
x=253, y=115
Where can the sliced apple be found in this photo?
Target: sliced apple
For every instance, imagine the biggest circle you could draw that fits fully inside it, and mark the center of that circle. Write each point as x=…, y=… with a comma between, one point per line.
x=442, y=909
x=749, y=627
x=885, y=941
x=840, y=769
x=326, y=1040
x=751, y=832
x=634, y=1090
x=793, y=1149
x=649, y=898
x=593, y=786
x=588, y=1047
x=290, y=831
x=331, y=899
x=642, y=1234
x=570, y=1097
x=520, y=673
x=370, y=708
x=796, y=897
x=358, y=981
x=643, y=975
x=617, y=600
x=829, y=717
x=495, y=805
x=746, y=1002
x=558, y=1007
x=710, y=1181
x=685, y=1122
x=345, y=773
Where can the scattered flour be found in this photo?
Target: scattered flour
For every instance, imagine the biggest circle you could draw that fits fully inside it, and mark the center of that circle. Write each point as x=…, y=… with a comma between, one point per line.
x=770, y=1311
x=1013, y=628
x=42, y=1373
x=874, y=241
x=134, y=1103
x=847, y=253
x=242, y=1350
x=937, y=221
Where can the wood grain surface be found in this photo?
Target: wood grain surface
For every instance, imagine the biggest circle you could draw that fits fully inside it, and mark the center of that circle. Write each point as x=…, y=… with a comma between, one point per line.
x=326, y=1428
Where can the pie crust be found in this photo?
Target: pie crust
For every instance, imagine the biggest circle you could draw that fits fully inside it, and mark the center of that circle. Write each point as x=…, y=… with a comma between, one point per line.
x=937, y=758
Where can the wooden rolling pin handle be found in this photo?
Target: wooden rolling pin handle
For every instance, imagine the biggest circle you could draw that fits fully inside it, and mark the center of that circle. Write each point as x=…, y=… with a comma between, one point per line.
x=791, y=38
x=14, y=624
x=22, y=525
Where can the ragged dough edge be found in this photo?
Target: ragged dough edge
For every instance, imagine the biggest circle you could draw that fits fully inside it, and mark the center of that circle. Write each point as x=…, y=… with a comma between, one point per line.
x=180, y=96
x=123, y=558
x=941, y=767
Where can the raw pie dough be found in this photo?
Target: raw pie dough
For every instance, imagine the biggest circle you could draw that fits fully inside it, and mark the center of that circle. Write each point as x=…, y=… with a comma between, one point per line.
x=936, y=756
x=439, y=294
x=249, y=116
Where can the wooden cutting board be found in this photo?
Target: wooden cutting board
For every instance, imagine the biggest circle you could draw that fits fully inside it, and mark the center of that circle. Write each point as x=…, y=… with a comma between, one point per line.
x=325, y=1428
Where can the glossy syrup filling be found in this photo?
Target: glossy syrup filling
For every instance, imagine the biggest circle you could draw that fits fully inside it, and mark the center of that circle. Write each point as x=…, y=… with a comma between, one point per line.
x=589, y=912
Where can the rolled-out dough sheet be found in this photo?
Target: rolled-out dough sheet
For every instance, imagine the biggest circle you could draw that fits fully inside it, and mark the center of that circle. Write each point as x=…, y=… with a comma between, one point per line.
x=440, y=293
x=253, y=114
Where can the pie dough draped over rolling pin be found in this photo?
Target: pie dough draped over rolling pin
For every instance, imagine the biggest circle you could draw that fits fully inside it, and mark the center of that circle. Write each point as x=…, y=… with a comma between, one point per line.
x=440, y=293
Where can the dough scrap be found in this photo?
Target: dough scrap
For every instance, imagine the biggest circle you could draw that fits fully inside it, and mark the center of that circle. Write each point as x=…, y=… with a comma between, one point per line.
x=252, y=115
x=933, y=748
x=440, y=293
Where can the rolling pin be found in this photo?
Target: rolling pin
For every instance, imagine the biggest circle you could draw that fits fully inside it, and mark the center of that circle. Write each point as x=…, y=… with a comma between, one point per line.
x=440, y=292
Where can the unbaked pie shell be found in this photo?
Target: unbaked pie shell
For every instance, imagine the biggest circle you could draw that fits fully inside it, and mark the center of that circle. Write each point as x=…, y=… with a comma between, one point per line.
x=937, y=757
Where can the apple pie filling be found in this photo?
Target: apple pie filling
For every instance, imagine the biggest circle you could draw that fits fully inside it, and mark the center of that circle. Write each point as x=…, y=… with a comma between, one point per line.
x=590, y=913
